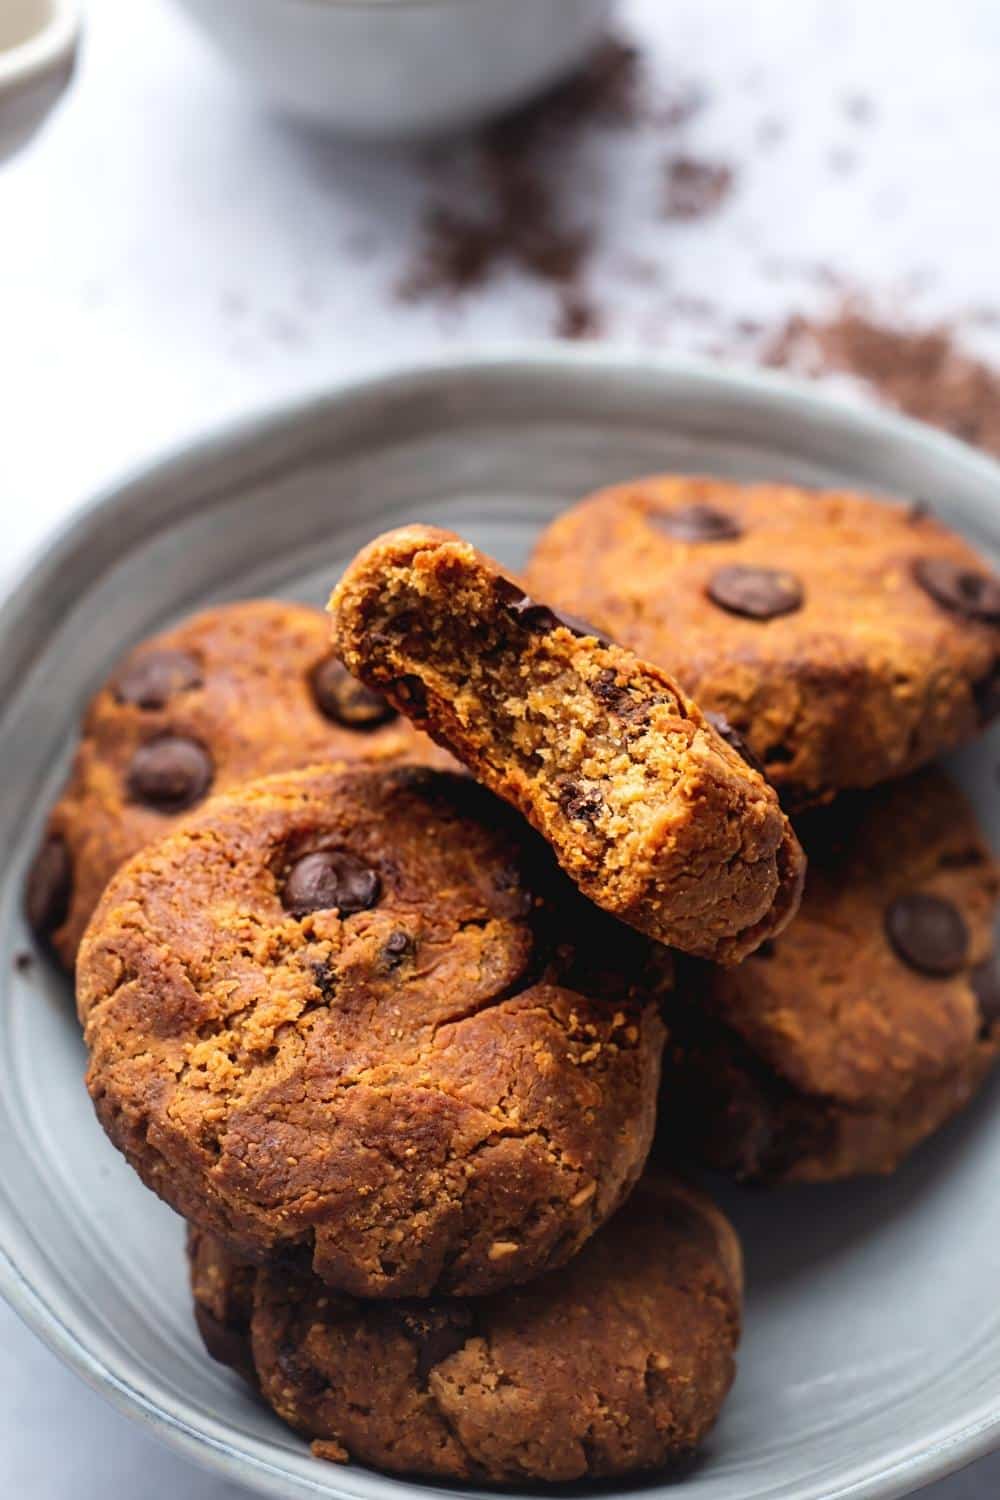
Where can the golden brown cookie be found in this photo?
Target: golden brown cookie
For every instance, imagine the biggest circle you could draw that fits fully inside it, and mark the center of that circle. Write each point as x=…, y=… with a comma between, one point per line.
x=651, y=812
x=617, y=1363
x=358, y=1014
x=872, y=1019
x=236, y=692
x=223, y=1287
x=847, y=639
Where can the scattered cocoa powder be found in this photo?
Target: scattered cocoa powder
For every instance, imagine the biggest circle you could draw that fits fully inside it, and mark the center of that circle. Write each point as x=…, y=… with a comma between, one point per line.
x=507, y=204
x=924, y=372
x=695, y=189
x=578, y=317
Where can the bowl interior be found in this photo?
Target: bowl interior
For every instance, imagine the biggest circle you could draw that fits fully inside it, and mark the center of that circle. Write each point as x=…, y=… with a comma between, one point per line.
x=872, y=1354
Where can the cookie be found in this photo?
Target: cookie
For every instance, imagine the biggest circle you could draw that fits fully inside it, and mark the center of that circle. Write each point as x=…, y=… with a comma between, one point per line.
x=873, y=1018
x=848, y=640
x=617, y=1363
x=223, y=1289
x=652, y=813
x=357, y=1015
x=239, y=691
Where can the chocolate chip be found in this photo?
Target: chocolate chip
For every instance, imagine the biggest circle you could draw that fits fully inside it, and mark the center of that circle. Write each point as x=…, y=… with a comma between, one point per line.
x=697, y=523
x=607, y=689
x=328, y=879
x=986, y=693
x=344, y=699
x=151, y=680
x=437, y=1334
x=170, y=773
x=734, y=740
x=325, y=975
x=534, y=616
x=298, y=1372
x=985, y=981
x=397, y=946
x=928, y=933
x=967, y=592
x=580, y=802
x=757, y=593
x=49, y=887
x=24, y=961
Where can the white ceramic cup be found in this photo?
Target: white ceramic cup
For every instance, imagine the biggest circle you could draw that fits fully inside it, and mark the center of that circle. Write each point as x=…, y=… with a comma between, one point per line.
x=397, y=68
x=38, y=42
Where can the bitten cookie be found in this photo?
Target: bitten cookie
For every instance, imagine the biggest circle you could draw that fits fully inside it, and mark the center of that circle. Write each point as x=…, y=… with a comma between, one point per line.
x=847, y=639
x=876, y=1016
x=651, y=812
x=358, y=1014
x=616, y=1363
x=236, y=692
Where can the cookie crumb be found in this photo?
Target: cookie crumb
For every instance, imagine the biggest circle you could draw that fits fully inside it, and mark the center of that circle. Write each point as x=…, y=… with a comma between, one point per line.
x=332, y=1451
x=24, y=961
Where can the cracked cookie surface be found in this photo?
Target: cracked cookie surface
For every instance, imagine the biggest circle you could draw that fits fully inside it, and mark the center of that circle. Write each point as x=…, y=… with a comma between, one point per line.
x=650, y=810
x=847, y=639
x=616, y=1363
x=238, y=691
x=356, y=1015
x=870, y=1021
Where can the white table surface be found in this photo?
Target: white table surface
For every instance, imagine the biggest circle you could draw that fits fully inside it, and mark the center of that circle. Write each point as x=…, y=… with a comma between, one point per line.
x=170, y=256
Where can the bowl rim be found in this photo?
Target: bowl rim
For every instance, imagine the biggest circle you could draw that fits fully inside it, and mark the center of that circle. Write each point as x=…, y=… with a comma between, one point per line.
x=48, y=48
x=968, y=1438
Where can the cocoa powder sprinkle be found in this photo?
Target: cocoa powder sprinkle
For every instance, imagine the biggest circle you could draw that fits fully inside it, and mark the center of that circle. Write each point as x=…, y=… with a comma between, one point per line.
x=509, y=206
x=926, y=373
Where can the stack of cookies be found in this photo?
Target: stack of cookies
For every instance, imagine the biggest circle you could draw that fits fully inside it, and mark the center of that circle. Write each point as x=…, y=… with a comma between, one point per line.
x=395, y=1038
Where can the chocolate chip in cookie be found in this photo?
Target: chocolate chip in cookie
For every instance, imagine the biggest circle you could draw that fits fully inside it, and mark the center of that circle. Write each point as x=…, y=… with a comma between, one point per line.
x=928, y=933
x=345, y=700
x=49, y=887
x=965, y=591
x=697, y=523
x=330, y=879
x=170, y=773
x=756, y=593
x=582, y=803
x=153, y=678
x=535, y=616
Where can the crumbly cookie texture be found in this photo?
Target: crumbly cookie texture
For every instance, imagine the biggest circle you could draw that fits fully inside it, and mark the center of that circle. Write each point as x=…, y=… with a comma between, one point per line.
x=847, y=639
x=222, y=1286
x=617, y=1363
x=358, y=1015
x=651, y=812
x=875, y=1017
x=236, y=692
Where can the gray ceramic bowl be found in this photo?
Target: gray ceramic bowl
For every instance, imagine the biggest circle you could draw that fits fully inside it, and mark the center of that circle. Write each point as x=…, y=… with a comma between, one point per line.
x=388, y=69
x=872, y=1354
